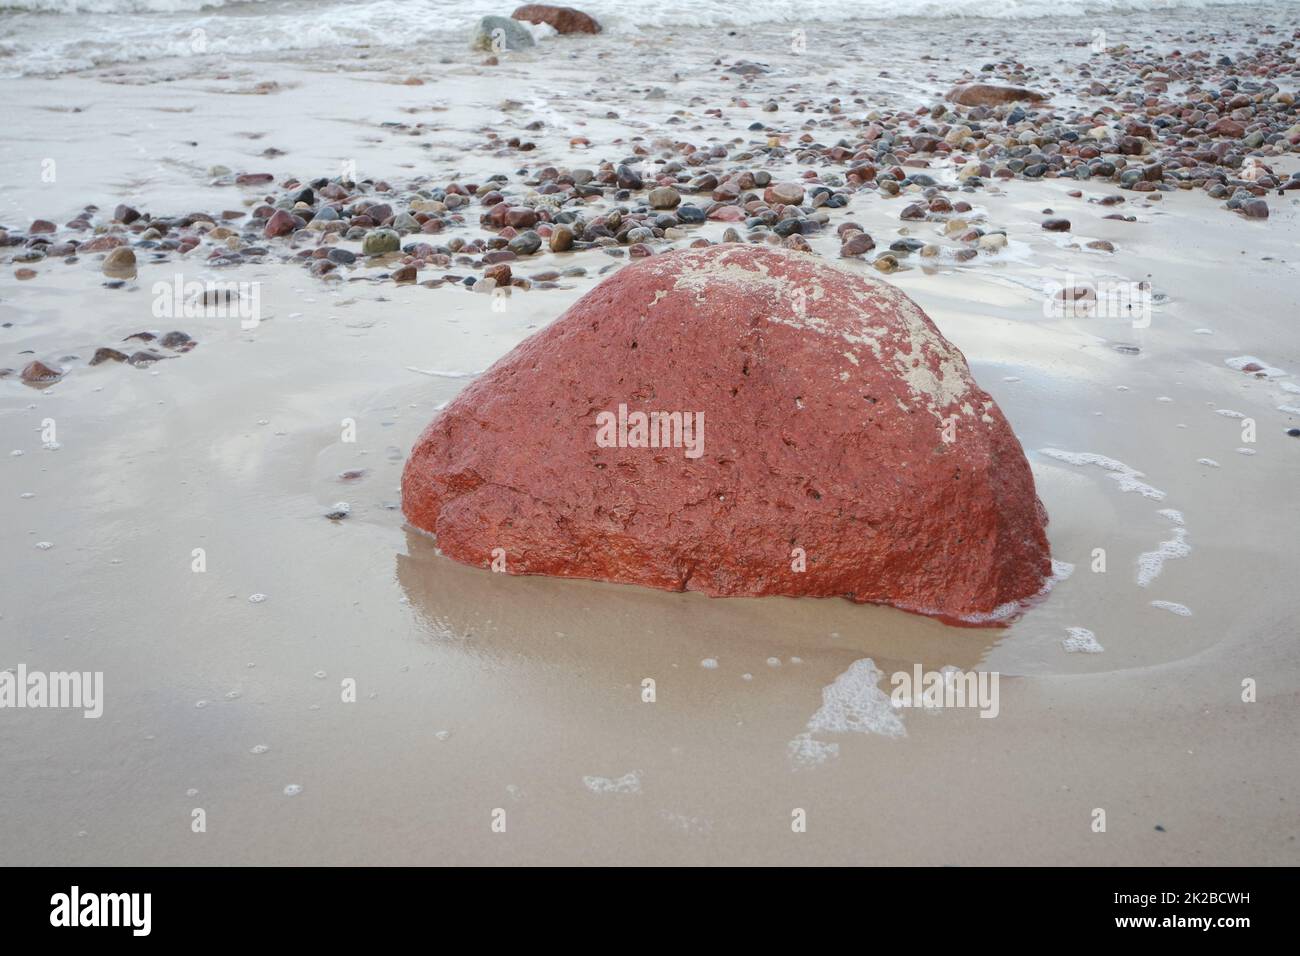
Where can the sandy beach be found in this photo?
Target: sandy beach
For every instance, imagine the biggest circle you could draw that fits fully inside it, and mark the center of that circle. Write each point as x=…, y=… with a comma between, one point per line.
x=227, y=689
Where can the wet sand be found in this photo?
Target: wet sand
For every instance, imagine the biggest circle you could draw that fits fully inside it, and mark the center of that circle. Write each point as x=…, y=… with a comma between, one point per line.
x=478, y=691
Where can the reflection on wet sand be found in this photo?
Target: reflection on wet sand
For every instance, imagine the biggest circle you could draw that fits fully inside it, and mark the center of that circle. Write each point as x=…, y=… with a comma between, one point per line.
x=626, y=629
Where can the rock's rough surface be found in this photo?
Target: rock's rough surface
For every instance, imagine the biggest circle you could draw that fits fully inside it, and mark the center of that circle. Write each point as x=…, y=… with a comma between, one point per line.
x=563, y=19
x=836, y=420
x=988, y=94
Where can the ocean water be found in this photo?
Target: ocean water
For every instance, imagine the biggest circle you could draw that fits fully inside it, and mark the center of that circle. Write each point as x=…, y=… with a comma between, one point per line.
x=59, y=36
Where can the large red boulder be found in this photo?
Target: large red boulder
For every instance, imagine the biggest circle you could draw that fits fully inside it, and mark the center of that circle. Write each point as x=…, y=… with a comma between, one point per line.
x=830, y=441
x=563, y=19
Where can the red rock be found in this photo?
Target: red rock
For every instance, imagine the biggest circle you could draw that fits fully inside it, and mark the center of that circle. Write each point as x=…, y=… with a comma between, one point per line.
x=785, y=194
x=500, y=272
x=987, y=94
x=836, y=419
x=856, y=245
x=563, y=19
x=521, y=217
x=38, y=373
x=40, y=226
x=281, y=223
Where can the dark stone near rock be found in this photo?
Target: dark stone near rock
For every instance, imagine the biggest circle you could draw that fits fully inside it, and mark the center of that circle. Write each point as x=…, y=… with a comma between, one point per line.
x=106, y=354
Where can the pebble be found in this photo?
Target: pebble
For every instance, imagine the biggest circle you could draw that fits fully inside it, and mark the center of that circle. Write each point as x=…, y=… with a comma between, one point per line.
x=379, y=242
x=664, y=197
x=119, y=263
x=38, y=373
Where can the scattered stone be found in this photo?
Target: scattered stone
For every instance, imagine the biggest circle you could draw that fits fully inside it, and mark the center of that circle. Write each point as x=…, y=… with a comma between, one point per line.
x=281, y=223
x=988, y=94
x=856, y=245
x=106, y=354
x=38, y=373
x=664, y=197
x=561, y=239
x=563, y=19
x=380, y=242
x=786, y=194
x=497, y=34
x=119, y=263
x=176, y=341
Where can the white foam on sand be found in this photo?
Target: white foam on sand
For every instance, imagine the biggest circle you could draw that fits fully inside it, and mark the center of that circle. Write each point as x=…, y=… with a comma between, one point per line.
x=1182, y=610
x=1125, y=476
x=852, y=703
x=855, y=703
x=1151, y=563
x=1081, y=641
x=630, y=782
x=805, y=751
x=1241, y=361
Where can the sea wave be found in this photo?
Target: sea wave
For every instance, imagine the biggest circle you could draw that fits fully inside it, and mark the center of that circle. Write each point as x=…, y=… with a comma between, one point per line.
x=57, y=36
x=635, y=13
x=116, y=6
